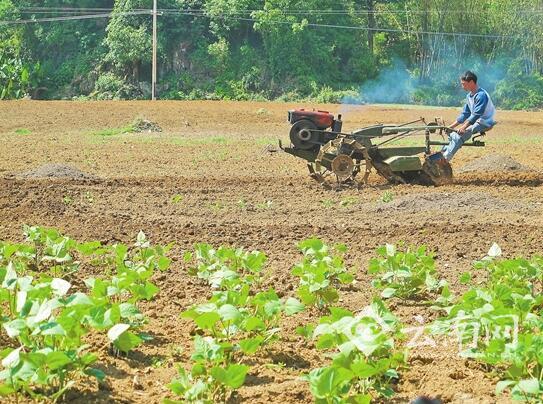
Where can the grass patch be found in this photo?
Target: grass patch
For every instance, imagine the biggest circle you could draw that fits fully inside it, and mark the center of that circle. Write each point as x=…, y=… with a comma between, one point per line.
x=114, y=131
x=206, y=141
x=138, y=125
x=219, y=140
x=23, y=131
x=264, y=141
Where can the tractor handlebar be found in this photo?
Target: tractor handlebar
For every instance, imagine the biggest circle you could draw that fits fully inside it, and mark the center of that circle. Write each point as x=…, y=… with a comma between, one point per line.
x=405, y=129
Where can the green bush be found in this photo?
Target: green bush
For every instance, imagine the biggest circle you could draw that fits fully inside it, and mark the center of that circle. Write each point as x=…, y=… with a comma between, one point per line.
x=520, y=91
x=327, y=95
x=289, y=96
x=108, y=85
x=111, y=87
x=437, y=94
x=17, y=77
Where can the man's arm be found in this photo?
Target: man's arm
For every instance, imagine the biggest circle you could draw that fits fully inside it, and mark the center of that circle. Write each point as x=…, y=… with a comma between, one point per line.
x=481, y=101
x=462, y=117
x=463, y=127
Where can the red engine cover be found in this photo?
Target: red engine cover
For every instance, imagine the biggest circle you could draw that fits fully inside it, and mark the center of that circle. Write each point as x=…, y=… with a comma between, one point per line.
x=323, y=119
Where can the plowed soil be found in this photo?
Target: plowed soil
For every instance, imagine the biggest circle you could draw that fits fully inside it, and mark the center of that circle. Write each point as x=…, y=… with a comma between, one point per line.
x=210, y=176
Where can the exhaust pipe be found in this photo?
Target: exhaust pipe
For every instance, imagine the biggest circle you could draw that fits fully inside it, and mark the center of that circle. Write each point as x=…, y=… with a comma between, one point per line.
x=337, y=124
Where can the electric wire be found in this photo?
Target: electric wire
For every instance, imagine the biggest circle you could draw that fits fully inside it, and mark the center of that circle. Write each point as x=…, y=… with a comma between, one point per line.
x=71, y=18
x=300, y=11
x=358, y=28
x=205, y=14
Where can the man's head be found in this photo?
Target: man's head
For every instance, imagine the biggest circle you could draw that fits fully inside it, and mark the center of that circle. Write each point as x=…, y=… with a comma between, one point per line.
x=469, y=81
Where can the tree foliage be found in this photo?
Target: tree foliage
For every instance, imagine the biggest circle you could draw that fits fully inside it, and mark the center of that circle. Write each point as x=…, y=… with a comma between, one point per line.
x=268, y=49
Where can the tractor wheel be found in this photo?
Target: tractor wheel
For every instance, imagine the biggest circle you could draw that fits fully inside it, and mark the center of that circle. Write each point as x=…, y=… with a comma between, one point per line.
x=302, y=135
x=338, y=163
x=436, y=173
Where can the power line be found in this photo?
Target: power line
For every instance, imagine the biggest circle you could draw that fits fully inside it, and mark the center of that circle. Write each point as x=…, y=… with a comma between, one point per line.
x=203, y=14
x=72, y=18
x=357, y=28
x=365, y=12
x=289, y=11
x=67, y=8
x=58, y=12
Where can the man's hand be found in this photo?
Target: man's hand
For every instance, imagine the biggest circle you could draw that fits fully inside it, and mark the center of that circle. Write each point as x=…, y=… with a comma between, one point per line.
x=462, y=129
x=454, y=125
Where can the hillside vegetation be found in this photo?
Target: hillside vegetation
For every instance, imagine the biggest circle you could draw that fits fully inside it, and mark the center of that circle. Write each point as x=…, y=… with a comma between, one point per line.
x=327, y=51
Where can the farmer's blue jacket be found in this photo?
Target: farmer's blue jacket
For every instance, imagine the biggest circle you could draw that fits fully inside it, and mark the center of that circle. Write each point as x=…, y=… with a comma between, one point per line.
x=479, y=107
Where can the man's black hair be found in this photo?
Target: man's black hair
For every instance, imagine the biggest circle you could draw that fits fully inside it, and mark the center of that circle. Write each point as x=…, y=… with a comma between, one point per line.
x=469, y=76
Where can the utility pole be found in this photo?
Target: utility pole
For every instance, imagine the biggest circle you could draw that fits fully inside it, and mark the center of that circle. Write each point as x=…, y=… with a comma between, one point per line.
x=371, y=24
x=153, y=84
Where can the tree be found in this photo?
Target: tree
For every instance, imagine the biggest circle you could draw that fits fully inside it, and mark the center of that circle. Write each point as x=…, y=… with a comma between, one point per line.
x=128, y=39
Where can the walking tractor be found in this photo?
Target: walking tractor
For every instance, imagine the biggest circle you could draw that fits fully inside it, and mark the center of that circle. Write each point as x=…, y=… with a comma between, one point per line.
x=335, y=158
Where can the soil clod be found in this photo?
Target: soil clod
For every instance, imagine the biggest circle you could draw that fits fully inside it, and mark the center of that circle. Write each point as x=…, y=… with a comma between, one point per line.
x=56, y=170
x=443, y=201
x=493, y=163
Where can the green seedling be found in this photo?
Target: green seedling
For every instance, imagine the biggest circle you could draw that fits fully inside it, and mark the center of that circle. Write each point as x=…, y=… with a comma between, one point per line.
x=465, y=278
x=242, y=204
x=89, y=197
x=216, y=206
x=225, y=267
x=321, y=273
x=46, y=251
x=327, y=203
x=500, y=323
x=23, y=131
x=212, y=378
x=404, y=274
x=176, y=351
x=365, y=358
x=276, y=366
x=347, y=202
x=47, y=320
x=235, y=322
x=157, y=362
x=243, y=321
x=67, y=200
x=46, y=324
x=177, y=198
x=265, y=205
x=387, y=197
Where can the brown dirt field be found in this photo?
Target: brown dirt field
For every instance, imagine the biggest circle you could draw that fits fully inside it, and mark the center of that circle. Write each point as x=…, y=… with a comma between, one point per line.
x=235, y=193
